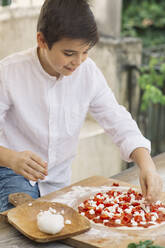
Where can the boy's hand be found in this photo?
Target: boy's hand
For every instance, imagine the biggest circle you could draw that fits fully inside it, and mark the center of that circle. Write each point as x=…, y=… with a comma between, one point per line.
x=151, y=185
x=151, y=182
x=29, y=165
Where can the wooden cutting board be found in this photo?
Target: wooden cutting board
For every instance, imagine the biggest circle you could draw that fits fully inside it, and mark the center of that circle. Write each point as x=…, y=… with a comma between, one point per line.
x=24, y=218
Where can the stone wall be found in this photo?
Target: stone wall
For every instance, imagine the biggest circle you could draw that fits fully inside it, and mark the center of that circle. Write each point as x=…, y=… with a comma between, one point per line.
x=17, y=29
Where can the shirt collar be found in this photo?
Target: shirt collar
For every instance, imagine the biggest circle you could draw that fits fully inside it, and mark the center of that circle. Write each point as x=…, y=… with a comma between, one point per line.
x=47, y=75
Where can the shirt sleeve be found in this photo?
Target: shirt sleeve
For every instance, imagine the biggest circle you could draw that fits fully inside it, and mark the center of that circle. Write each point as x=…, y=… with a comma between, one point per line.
x=4, y=98
x=115, y=119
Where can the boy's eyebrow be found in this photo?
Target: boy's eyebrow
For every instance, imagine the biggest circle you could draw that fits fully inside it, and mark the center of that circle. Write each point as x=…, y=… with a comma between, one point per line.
x=69, y=50
x=73, y=51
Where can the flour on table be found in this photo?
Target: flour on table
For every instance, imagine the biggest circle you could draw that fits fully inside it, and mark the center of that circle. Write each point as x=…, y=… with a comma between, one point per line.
x=77, y=193
x=68, y=222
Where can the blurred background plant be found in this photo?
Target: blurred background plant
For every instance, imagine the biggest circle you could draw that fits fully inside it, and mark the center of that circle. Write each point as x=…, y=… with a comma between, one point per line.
x=151, y=82
x=146, y=20
x=5, y=2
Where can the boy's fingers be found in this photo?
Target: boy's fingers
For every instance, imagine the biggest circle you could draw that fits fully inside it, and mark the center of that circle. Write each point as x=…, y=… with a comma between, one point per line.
x=149, y=191
x=34, y=173
x=153, y=193
x=151, y=185
x=39, y=160
x=29, y=176
x=37, y=167
x=143, y=187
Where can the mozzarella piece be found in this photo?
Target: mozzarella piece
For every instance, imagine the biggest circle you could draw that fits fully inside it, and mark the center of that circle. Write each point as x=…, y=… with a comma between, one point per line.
x=133, y=222
x=136, y=213
x=147, y=208
x=158, y=203
x=92, y=203
x=118, y=221
x=155, y=214
x=153, y=218
x=111, y=209
x=100, y=206
x=162, y=210
x=128, y=210
x=110, y=214
x=120, y=210
x=91, y=211
x=48, y=222
x=115, y=194
x=105, y=195
x=143, y=222
x=98, y=217
x=100, y=197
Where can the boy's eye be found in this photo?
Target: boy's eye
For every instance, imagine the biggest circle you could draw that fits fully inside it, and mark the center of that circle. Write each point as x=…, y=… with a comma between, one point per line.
x=68, y=54
x=71, y=54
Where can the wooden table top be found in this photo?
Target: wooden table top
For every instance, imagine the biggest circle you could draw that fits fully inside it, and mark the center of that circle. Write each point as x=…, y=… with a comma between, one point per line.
x=11, y=238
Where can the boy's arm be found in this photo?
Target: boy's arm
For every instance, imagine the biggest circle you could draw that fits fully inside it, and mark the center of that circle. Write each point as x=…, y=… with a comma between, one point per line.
x=25, y=163
x=118, y=122
x=150, y=181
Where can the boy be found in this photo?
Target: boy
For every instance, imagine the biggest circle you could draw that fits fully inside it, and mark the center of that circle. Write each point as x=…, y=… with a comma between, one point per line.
x=45, y=94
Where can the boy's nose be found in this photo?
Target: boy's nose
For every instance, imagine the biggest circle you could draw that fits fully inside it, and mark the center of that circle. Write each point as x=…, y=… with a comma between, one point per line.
x=77, y=61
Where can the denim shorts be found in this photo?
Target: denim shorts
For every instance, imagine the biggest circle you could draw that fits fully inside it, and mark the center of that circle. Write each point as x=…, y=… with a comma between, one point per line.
x=10, y=183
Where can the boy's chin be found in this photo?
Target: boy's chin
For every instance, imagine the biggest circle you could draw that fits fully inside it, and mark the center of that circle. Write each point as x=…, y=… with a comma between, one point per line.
x=66, y=73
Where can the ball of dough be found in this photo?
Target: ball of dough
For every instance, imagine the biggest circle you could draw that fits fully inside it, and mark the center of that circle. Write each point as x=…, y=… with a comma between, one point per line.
x=49, y=222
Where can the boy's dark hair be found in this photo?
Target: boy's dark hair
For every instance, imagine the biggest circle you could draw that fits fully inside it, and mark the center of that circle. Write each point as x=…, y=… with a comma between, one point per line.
x=67, y=19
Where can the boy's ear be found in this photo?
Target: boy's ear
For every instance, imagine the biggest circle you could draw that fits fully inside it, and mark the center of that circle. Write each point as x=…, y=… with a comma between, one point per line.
x=41, y=40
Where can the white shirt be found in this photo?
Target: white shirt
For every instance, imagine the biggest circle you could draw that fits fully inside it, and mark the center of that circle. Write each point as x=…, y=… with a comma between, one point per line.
x=44, y=115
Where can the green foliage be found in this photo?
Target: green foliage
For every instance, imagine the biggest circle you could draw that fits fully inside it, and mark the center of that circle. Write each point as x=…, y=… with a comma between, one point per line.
x=5, y=2
x=151, y=81
x=144, y=244
x=144, y=19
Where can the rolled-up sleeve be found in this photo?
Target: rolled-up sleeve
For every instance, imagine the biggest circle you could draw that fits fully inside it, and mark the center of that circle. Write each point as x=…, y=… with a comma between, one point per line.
x=4, y=98
x=115, y=119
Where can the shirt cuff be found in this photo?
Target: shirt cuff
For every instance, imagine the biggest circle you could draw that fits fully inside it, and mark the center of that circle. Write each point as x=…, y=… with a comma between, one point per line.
x=129, y=145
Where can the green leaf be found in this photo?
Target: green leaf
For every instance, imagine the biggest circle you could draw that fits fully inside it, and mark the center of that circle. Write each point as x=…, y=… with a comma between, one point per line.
x=144, y=244
x=132, y=245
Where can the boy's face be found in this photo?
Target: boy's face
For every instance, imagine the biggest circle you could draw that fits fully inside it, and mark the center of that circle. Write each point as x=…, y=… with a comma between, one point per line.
x=64, y=56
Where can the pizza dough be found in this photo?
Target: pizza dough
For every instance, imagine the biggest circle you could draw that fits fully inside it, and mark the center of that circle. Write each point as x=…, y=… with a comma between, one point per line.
x=121, y=207
x=50, y=222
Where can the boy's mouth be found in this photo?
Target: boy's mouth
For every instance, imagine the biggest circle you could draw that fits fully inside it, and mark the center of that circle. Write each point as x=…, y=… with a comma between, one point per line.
x=70, y=69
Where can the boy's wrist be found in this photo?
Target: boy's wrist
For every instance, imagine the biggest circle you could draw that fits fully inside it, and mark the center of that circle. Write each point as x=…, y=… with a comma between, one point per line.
x=12, y=159
x=143, y=159
x=7, y=157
